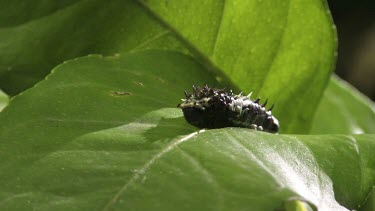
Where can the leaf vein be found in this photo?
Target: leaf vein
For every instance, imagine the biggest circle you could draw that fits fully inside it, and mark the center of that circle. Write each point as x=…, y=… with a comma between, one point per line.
x=146, y=167
x=144, y=43
x=277, y=49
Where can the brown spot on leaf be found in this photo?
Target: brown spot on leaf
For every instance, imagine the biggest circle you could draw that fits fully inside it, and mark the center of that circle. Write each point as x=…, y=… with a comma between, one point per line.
x=121, y=93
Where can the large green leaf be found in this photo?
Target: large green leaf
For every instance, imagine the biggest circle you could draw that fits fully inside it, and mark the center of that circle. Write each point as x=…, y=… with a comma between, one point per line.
x=344, y=110
x=104, y=134
x=281, y=50
x=42, y=34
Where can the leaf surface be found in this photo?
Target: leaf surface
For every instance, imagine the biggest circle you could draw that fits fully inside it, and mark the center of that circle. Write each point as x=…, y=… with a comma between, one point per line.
x=130, y=148
x=284, y=53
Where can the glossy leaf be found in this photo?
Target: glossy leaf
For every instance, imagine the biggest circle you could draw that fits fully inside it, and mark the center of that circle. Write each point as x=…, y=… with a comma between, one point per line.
x=274, y=48
x=42, y=34
x=104, y=134
x=281, y=50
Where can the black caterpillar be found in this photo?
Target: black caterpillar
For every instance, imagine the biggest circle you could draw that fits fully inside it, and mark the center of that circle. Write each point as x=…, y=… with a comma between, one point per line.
x=215, y=108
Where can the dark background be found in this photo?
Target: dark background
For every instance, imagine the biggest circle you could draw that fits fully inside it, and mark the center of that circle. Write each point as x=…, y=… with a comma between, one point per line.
x=355, y=22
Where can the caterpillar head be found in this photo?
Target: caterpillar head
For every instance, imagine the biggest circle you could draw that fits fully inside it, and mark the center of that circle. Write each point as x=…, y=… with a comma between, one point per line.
x=271, y=124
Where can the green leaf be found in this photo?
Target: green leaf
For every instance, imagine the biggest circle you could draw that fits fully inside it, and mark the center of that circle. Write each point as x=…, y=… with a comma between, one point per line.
x=103, y=133
x=284, y=53
x=3, y=100
x=42, y=34
x=344, y=110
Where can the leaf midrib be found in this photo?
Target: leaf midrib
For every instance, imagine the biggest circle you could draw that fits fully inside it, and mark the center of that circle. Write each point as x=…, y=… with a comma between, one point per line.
x=146, y=167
